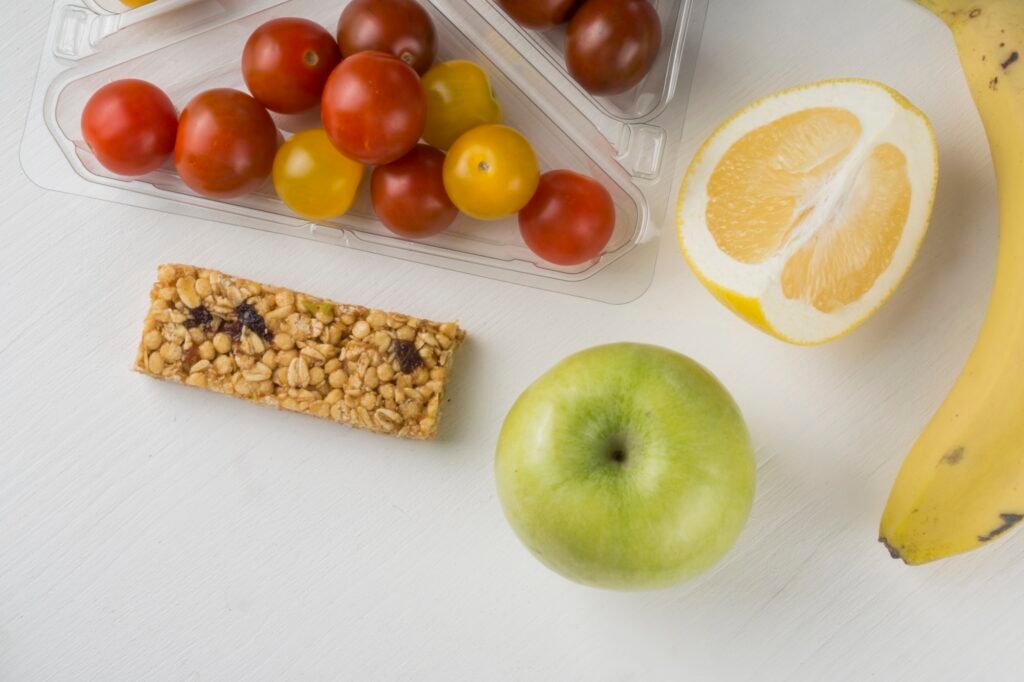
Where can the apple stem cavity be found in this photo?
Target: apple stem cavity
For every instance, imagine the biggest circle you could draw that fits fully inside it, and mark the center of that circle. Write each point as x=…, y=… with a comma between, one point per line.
x=617, y=451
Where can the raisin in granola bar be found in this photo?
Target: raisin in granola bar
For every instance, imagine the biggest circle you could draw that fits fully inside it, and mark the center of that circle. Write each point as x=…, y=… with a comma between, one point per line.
x=365, y=368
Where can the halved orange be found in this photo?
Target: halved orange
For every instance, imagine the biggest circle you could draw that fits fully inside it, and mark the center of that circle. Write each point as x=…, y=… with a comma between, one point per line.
x=804, y=211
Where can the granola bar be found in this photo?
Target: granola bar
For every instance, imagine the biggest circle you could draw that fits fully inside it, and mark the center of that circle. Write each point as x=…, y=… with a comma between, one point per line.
x=365, y=368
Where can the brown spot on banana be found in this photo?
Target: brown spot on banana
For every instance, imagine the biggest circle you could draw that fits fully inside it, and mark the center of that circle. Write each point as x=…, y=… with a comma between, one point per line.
x=953, y=457
x=1011, y=60
x=1009, y=521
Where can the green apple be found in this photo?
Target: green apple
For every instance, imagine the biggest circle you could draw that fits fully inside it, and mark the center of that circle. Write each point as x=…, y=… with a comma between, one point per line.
x=626, y=466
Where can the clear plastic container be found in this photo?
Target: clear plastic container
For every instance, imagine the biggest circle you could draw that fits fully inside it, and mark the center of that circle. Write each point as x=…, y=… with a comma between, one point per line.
x=648, y=98
x=187, y=46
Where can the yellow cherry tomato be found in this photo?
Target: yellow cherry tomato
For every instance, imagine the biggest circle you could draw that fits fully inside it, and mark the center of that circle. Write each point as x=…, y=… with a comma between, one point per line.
x=313, y=178
x=491, y=172
x=459, y=98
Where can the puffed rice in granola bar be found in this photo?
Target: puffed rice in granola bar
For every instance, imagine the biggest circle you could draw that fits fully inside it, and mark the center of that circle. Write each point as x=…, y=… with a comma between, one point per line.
x=370, y=369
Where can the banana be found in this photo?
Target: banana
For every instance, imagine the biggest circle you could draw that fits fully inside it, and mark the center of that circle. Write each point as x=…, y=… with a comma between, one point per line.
x=962, y=484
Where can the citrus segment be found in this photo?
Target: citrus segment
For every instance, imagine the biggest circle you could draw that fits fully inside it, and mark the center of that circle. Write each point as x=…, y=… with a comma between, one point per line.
x=762, y=188
x=844, y=258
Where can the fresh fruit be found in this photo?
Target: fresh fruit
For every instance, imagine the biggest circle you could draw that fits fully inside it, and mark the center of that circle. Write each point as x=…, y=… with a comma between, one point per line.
x=401, y=28
x=135, y=3
x=539, y=15
x=286, y=63
x=459, y=98
x=491, y=172
x=130, y=125
x=962, y=484
x=570, y=219
x=803, y=212
x=374, y=108
x=313, y=178
x=626, y=466
x=226, y=144
x=611, y=45
x=409, y=195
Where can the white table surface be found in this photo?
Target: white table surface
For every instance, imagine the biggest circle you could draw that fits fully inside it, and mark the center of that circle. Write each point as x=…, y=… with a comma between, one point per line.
x=149, y=532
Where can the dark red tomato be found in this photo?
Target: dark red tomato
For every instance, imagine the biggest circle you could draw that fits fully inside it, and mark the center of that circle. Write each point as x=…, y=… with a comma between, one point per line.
x=409, y=195
x=226, y=144
x=612, y=44
x=373, y=108
x=286, y=63
x=398, y=27
x=130, y=126
x=569, y=220
x=539, y=14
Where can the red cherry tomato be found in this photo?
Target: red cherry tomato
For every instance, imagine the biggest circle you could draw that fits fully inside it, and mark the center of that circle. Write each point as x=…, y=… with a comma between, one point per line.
x=570, y=219
x=286, y=63
x=539, y=15
x=130, y=125
x=373, y=108
x=409, y=195
x=226, y=144
x=401, y=28
x=611, y=45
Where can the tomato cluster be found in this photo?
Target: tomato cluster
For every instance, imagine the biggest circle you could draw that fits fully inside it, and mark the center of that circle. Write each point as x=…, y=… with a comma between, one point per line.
x=379, y=93
x=610, y=45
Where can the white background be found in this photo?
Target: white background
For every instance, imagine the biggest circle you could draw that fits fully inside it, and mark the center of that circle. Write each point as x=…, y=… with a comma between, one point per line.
x=151, y=532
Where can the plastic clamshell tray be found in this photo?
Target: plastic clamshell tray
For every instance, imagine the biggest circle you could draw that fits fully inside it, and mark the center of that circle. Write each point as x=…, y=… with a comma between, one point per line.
x=187, y=46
